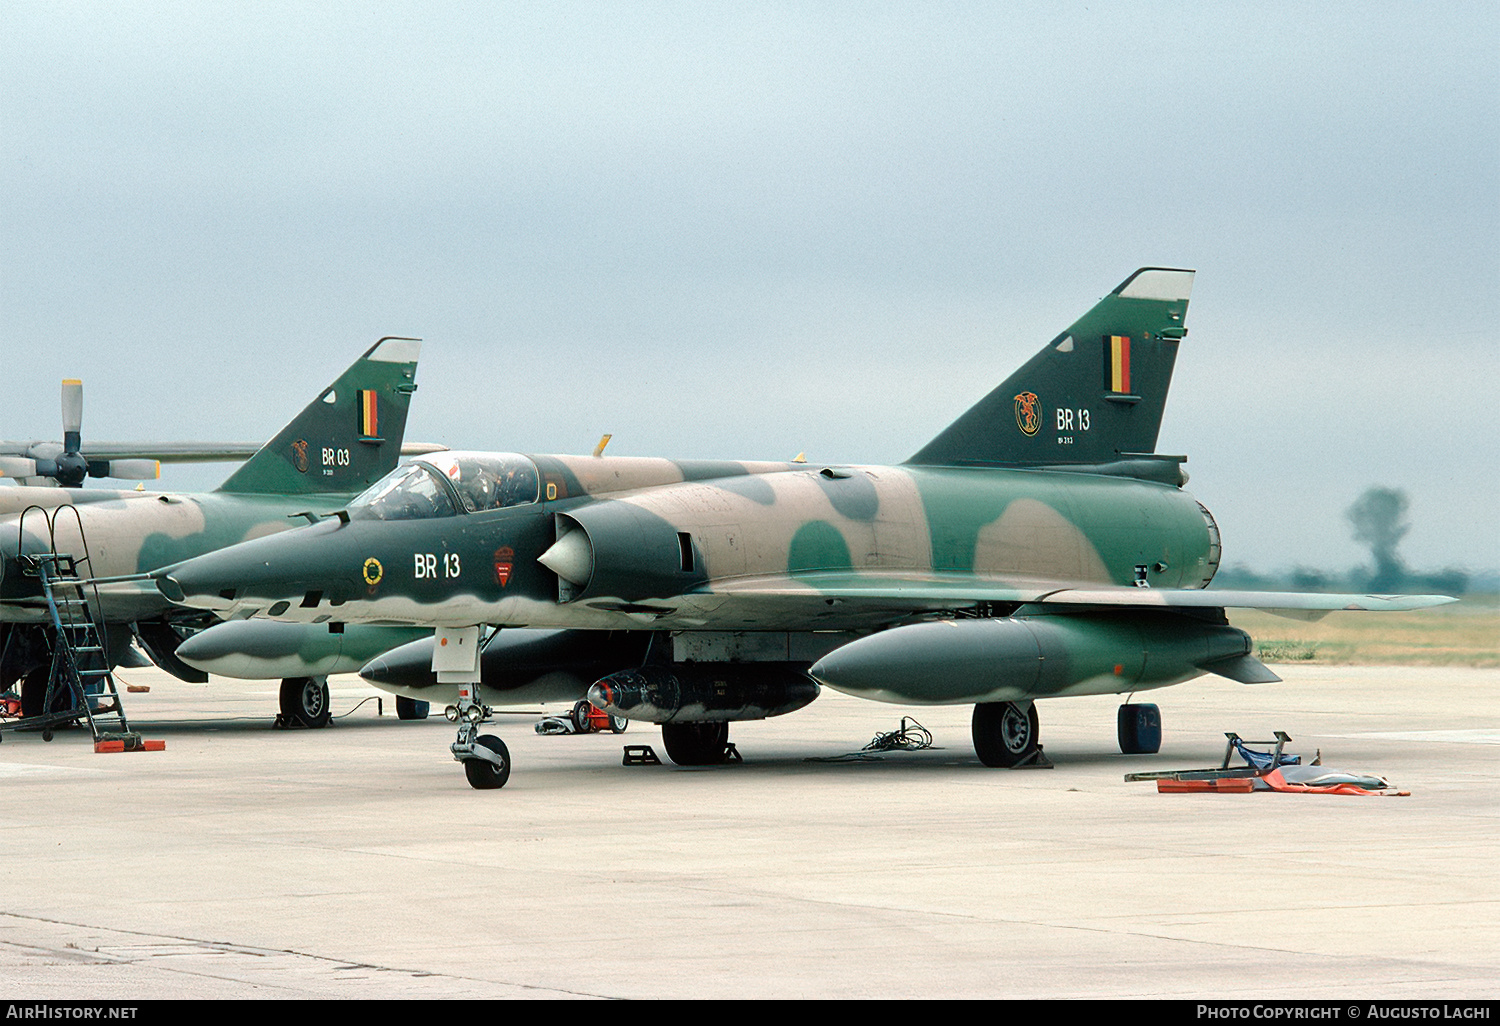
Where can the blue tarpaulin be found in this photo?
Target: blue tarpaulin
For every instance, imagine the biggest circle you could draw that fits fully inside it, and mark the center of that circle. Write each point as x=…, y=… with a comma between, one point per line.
x=1263, y=760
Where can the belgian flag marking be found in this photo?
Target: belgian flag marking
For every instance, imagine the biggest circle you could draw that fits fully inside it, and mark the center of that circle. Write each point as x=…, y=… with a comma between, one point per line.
x=1117, y=363
x=369, y=414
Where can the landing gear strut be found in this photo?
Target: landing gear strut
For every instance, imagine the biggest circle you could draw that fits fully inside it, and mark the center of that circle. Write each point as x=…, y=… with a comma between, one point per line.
x=486, y=759
x=455, y=660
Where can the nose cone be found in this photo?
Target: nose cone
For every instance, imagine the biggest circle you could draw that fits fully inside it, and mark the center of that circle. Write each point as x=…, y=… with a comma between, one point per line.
x=614, y=693
x=859, y=667
x=942, y=661
x=407, y=666
x=263, y=650
x=291, y=575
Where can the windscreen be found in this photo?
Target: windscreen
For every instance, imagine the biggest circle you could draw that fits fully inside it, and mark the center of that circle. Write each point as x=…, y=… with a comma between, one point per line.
x=410, y=492
x=447, y=483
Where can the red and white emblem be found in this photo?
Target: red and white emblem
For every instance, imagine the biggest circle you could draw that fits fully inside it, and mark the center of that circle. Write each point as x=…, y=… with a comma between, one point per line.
x=504, y=560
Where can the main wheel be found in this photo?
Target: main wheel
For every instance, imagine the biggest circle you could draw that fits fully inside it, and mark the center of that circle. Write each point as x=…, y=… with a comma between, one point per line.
x=1139, y=727
x=410, y=708
x=304, y=701
x=485, y=775
x=695, y=744
x=1006, y=733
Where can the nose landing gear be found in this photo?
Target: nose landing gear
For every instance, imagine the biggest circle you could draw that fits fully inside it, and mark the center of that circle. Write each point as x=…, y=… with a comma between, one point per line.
x=455, y=660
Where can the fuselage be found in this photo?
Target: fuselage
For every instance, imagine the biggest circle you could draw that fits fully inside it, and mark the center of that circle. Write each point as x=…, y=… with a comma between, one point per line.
x=625, y=544
x=123, y=533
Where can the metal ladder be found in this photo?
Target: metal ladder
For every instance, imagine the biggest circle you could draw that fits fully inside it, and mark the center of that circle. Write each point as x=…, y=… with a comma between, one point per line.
x=80, y=665
x=79, y=661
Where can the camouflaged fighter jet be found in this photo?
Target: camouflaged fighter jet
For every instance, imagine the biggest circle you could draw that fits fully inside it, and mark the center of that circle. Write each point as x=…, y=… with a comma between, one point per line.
x=348, y=437
x=1038, y=547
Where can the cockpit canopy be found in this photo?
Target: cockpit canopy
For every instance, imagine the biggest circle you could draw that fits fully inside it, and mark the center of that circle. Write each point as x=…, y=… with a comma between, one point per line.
x=446, y=484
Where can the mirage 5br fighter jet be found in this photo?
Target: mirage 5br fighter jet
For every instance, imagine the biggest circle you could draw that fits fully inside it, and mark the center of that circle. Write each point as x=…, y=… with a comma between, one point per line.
x=348, y=437
x=1038, y=547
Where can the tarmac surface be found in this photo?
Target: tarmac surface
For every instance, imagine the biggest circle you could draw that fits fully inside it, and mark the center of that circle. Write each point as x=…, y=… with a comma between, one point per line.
x=355, y=861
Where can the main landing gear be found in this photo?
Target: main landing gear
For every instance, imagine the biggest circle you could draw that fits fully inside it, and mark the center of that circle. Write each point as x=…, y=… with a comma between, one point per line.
x=304, y=702
x=696, y=744
x=1139, y=727
x=1007, y=734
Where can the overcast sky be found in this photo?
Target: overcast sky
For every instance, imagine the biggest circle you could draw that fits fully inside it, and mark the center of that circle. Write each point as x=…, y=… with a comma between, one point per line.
x=749, y=230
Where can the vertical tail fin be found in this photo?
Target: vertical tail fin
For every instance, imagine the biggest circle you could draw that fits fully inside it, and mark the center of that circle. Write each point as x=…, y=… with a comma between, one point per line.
x=348, y=437
x=1093, y=394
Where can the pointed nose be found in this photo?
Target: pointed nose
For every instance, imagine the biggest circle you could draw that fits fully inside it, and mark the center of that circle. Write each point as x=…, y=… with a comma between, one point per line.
x=290, y=575
x=408, y=666
x=216, y=581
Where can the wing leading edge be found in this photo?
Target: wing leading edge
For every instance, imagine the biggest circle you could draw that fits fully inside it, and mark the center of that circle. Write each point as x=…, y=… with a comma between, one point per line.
x=938, y=592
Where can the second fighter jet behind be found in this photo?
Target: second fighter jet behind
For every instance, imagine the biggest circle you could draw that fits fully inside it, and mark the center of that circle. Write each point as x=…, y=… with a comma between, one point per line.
x=1038, y=547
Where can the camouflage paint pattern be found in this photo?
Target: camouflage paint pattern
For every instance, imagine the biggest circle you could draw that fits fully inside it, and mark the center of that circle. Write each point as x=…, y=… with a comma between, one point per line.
x=315, y=464
x=268, y=650
x=1046, y=496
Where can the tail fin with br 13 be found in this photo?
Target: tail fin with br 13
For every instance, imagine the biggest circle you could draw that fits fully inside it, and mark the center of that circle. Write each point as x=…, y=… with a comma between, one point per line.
x=1094, y=395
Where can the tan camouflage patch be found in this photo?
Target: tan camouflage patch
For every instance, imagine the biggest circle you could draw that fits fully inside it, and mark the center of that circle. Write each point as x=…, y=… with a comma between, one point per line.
x=1031, y=539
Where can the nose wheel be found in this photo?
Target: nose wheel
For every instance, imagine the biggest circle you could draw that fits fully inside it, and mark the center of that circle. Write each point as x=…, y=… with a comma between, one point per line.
x=455, y=660
x=489, y=765
x=486, y=759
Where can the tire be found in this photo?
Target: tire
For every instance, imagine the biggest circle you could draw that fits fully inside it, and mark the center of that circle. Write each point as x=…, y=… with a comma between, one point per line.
x=582, y=710
x=695, y=744
x=485, y=775
x=1139, y=728
x=304, y=701
x=410, y=708
x=1006, y=733
x=617, y=724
